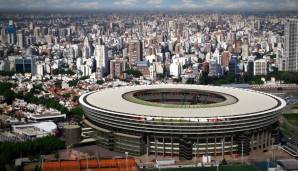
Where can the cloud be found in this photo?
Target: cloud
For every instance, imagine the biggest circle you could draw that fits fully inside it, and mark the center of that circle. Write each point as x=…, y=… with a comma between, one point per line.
x=154, y=2
x=89, y=5
x=237, y=4
x=186, y=4
x=126, y=2
x=150, y=4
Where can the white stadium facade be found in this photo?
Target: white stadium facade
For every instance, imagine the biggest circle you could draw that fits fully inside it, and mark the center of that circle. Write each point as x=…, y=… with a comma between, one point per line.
x=182, y=120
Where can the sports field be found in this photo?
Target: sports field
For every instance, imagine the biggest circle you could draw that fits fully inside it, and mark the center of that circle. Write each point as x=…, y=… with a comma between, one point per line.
x=221, y=168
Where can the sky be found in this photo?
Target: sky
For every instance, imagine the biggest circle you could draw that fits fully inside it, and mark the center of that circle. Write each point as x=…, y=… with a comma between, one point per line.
x=149, y=5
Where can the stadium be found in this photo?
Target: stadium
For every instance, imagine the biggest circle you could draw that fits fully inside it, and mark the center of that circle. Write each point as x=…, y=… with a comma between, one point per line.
x=182, y=120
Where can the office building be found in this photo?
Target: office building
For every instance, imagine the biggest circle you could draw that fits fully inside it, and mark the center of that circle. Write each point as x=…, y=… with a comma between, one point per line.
x=25, y=65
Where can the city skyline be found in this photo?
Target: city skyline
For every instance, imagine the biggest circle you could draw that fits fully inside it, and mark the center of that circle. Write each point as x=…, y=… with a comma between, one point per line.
x=155, y=84
x=200, y=5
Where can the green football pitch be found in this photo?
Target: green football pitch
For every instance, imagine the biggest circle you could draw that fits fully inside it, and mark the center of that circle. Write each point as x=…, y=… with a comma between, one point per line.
x=221, y=168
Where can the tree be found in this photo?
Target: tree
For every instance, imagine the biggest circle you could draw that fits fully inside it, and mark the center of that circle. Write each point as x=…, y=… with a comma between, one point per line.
x=177, y=80
x=100, y=82
x=5, y=90
x=190, y=81
x=58, y=84
x=134, y=72
x=9, y=96
x=75, y=98
x=9, y=151
x=56, y=155
x=67, y=95
x=186, y=66
x=84, y=77
x=77, y=112
x=7, y=73
x=256, y=80
x=5, y=86
x=63, y=72
x=227, y=79
x=223, y=162
x=203, y=78
x=73, y=83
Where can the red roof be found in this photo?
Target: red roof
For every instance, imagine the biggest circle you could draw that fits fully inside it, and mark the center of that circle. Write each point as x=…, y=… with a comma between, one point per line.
x=94, y=165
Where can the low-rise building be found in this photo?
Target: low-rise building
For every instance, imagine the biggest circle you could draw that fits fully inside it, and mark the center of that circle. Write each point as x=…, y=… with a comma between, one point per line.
x=35, y=130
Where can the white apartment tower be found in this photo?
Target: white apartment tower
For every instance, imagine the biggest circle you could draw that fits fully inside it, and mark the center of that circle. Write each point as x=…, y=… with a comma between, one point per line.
x=290, y=58
x=260, y=67
x=101, y=57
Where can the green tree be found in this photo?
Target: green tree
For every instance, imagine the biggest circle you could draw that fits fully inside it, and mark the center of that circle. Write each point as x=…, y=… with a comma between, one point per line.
x=77, y=112
x=67, y=95
x=84, y=77
x=224, y=162
x=190, y=81
x=9, y=151
x=9, y=96
x=63, y=72
x=177, y=80
x=134, y=72
x=100, y=82
x=5, y=86
x=73, y=83
x=256, y=80
x=203, y=80
x=7, y=73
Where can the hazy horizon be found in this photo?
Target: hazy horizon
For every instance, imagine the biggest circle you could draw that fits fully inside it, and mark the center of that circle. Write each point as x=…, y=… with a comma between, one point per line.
x=151, y=5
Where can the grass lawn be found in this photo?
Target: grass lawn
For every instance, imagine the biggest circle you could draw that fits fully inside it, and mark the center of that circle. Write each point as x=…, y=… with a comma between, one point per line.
x=294, y=93
x=288, y=129
x=292, y=118
x=221, y=168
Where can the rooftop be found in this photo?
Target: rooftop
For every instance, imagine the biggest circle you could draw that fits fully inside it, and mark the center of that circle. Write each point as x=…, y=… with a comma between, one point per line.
x=248, y=102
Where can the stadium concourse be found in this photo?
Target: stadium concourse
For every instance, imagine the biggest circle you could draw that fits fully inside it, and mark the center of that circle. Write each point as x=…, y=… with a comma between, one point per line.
x=183, y=120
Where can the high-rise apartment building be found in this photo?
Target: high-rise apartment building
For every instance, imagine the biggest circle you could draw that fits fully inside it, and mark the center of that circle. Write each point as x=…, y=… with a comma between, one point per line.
x=290, y=58
x=233, y=65
x=134, y=52
x=117, y=68
x=225, y=59
x=20, y=39
x=11, y=32
x=87, y=48
x=260, y=67
x=101, y=57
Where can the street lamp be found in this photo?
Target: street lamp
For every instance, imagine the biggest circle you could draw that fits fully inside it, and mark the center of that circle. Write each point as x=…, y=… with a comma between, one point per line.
x=268, y=164
x=242, y=152
x=126, y=155
x=195, y=146
x=41, y=162
x=222, y=149
x=217, y=165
